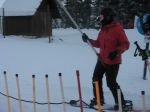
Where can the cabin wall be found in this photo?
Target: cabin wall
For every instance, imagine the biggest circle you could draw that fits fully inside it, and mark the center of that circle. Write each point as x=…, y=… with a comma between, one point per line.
x=39, y=24
x=36, y=25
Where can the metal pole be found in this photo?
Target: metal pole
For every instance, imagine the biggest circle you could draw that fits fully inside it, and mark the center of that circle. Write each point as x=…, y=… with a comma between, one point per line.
x=145, y=63
x=75, y=24
x=70, y=17
x=148, y=65
x=79, y=90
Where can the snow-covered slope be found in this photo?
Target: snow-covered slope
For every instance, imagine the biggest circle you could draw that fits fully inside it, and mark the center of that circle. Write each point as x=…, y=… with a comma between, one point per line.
x=65, y=54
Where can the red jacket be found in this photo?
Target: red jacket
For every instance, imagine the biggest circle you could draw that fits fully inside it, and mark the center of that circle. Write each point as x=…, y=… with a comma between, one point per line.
x=111, y=37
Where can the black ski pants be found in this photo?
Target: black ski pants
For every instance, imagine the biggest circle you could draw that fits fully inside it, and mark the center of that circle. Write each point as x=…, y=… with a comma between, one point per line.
x=111, y=72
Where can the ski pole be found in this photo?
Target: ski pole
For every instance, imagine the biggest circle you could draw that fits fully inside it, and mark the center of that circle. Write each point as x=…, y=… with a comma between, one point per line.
x=62, y=92
x=145, y=64
x=75, y=24
x=148, y=64
x=79, y=90
x=145, y=57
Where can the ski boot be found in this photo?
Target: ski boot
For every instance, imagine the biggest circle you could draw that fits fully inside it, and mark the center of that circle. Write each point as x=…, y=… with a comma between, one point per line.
x=94, y=102
x=127, y=106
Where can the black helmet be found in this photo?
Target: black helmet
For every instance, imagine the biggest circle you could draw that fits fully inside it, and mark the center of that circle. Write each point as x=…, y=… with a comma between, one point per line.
x=108, y=14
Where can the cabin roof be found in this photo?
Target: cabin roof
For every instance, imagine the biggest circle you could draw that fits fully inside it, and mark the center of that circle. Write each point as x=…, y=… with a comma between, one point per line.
x=24, y=7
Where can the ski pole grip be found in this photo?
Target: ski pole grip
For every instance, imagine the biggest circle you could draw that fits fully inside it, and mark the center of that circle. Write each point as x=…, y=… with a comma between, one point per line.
x=135, y=42
x=135, y=52
x=137, y=45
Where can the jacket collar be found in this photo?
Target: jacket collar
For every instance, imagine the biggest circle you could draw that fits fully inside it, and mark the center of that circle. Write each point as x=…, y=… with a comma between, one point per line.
x=112, y=24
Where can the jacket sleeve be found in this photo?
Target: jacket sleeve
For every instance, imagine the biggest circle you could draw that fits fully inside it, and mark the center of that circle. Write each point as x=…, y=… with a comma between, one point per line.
x=95, y=43
x=122, y=40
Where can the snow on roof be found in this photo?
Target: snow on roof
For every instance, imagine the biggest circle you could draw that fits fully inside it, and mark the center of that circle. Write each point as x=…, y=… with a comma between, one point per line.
x=1, y=2
x=19, y=7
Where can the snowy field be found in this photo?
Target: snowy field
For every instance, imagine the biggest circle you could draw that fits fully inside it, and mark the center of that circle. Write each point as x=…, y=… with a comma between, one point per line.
x=65, y=54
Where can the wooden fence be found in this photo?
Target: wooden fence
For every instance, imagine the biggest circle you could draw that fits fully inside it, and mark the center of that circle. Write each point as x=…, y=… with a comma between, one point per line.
x=48, y=104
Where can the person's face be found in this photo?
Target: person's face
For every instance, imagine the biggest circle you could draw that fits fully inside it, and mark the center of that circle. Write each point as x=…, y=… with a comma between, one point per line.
x=101, y=17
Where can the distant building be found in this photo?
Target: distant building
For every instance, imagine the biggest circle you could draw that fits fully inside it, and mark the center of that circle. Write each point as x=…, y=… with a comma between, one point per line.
x=28, y=17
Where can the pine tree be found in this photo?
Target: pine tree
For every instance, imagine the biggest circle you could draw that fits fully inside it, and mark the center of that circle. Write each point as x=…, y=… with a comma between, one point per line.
x=94, y=13
x=70, y=7
x=74, y=8
x=86, y=13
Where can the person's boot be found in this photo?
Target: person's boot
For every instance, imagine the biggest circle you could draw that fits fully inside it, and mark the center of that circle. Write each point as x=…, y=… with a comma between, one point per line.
x=94, y=102
x=102, y=102
x=116, y=107
x=124, y=106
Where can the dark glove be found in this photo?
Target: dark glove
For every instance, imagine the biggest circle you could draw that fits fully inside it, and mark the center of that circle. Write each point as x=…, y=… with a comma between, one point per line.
x=85, y=38
x=143, y=54
x=113, y=55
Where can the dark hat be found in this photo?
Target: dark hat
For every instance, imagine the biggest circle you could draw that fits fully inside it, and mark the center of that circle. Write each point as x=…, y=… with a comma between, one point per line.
x=108, y=12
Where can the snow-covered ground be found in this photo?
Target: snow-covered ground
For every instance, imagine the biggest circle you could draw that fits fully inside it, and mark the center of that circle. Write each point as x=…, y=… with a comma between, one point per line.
x=65, y=54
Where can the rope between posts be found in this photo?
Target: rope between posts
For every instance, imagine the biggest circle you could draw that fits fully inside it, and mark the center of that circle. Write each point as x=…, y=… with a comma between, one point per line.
x=28, y=101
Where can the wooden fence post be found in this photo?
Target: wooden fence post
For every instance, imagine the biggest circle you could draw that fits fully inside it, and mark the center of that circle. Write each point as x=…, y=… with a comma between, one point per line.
x=47, y=91
x=98, y=96
x=62, y=92
x=143, y=101
x=19, y=95
x=7, y=91
x=34, y=92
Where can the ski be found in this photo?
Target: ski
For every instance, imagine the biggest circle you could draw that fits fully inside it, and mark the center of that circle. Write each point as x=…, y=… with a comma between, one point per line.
x=128, y=107
x=76, y=103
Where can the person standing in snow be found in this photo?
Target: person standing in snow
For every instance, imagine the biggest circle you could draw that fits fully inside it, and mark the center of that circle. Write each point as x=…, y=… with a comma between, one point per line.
x=112, y=42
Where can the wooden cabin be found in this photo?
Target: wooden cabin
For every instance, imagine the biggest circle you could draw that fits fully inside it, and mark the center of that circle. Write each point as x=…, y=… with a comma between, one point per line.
x=29, y=17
